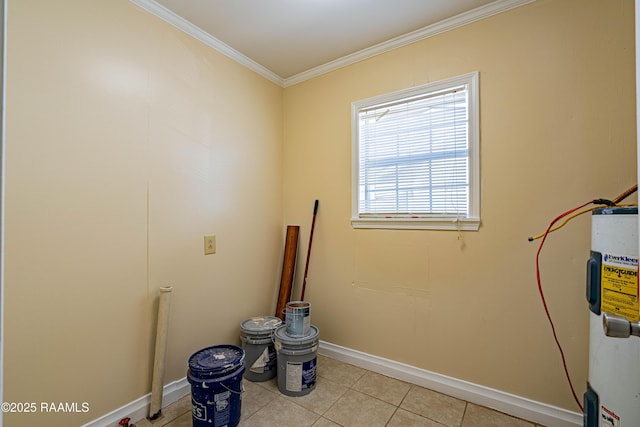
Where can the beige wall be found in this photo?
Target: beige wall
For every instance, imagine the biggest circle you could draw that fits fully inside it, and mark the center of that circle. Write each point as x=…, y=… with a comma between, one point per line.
x=557, y=129
x=127, y=141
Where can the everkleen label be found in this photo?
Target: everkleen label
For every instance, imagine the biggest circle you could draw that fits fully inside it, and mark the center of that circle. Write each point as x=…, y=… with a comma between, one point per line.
x=620, y=286
x=608, y=418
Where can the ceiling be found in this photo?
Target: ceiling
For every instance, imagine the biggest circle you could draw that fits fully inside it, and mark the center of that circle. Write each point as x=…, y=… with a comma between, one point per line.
x=291, y=37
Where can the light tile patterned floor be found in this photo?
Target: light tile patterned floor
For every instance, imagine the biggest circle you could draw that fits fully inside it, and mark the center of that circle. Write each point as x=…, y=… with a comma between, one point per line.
x=348, y=396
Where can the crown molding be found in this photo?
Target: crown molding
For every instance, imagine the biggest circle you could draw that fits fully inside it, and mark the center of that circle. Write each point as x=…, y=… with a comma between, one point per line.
x=206, y=38
x=449, y=24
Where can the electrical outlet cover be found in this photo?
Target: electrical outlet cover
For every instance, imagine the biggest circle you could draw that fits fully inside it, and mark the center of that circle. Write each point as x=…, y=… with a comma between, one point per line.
x=209, y=244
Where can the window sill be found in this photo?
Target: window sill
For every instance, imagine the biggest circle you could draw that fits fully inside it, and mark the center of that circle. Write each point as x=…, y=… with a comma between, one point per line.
x=456, y=224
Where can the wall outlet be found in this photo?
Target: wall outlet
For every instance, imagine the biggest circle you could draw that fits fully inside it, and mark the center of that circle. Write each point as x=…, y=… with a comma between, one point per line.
x=209, y=244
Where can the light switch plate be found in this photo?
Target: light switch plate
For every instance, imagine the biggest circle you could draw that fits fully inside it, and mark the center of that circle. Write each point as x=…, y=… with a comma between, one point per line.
x=209, y=244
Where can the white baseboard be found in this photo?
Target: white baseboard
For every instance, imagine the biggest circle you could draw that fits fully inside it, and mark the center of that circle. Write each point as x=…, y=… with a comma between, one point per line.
x=511, y=404
x=139, y=408
x=517, y=406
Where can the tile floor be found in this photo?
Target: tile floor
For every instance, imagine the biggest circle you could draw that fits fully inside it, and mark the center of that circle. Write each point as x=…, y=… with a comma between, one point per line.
x=349, y=396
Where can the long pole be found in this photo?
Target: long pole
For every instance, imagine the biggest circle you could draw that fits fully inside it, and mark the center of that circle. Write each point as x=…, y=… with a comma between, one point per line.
x=306, y=267
x=155, y=408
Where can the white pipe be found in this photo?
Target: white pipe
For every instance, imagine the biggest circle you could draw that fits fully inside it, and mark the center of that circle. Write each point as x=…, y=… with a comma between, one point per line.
x=161, y=349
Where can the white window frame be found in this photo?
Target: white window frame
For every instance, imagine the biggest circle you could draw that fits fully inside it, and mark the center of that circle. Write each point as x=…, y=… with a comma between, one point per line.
x=435, y=222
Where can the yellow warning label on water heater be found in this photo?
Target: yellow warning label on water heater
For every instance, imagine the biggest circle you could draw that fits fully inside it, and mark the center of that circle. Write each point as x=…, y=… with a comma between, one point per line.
x=620, y=287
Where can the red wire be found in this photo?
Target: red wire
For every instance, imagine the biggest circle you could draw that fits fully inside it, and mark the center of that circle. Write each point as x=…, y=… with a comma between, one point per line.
x=544, y=302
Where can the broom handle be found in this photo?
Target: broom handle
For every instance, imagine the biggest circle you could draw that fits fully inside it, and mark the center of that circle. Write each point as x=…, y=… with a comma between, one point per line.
x=306, y=267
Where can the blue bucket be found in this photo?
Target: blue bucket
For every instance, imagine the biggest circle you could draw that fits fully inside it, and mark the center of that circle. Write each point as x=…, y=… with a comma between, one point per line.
x=215, y=375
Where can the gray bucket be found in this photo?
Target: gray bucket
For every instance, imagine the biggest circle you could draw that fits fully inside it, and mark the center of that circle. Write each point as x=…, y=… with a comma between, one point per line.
x=297, y=361
x=256, y=334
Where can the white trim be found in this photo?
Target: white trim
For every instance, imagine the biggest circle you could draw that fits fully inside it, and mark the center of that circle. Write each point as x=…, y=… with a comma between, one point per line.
x=182, y=24
x=449, y=24
x=511, y=404
x=139, y=408
x=474, y=144
x=460, y=224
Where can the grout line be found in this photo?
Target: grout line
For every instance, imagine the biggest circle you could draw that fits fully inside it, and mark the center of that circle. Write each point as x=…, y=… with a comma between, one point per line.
x=392, y=415
x=464, y=413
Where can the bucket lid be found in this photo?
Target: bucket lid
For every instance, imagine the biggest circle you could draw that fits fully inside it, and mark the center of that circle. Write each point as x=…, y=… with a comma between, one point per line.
x=294, y=305
x=260, y=324
x=216, y=359
x=282, y=336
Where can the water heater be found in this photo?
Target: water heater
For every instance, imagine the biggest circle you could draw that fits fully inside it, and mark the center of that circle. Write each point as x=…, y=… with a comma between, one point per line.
x=613, y=389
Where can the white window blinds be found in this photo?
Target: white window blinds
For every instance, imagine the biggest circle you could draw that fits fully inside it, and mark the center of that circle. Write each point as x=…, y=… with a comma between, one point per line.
x=414, y=155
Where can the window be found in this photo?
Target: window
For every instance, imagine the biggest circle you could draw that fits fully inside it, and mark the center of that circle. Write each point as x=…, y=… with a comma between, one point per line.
x=416, y=157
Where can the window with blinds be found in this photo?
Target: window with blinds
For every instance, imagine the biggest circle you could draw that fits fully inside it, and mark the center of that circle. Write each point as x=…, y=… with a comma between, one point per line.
x=416, y=157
